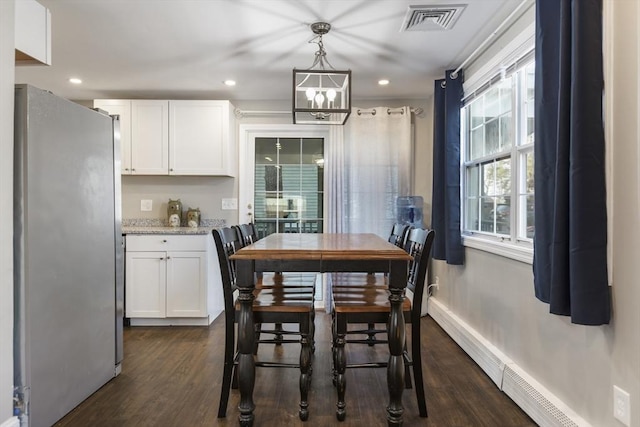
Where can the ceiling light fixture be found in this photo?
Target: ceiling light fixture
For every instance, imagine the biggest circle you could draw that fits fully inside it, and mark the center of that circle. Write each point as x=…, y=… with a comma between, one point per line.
x=383, y=82
x=75, y=80
x=230, y=82
x=321, y=95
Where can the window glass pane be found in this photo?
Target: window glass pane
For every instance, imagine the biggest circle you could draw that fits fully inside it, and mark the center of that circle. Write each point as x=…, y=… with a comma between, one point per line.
x=266, y=151
x=505, y=95
x=477, y=143
x=530, y=123
x=530, y=217
x=473, y=181
x=473, y=219
x=476, y=113
x=487, y=215
x=529, y=182
x=503, y=177
x=492, y=141
x=289, y=151
x=491, y=105
x=313, y=151
x=488, y=180
x=506, y=136
x=503, y=215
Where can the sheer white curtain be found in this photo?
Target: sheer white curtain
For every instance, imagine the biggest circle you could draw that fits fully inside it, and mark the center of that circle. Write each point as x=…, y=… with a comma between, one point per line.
x=368, y=165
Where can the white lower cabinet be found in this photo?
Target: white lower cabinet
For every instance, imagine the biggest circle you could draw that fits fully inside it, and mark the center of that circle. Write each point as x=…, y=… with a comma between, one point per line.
x=172, y=280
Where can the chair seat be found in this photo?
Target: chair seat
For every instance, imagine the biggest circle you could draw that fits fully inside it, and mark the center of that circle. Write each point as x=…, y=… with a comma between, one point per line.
x=358, y=280
x=287, y=280
x=364, y=300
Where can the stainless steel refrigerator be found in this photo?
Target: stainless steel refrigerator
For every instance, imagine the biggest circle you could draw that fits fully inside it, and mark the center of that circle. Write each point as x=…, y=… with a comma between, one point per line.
x=68, y=264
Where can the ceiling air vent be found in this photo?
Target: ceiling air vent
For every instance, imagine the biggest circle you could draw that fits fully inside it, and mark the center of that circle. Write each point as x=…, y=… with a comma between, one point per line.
x=432, y=18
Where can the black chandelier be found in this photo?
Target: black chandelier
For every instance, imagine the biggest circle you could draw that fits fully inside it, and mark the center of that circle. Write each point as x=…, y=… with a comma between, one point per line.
x=321, y=94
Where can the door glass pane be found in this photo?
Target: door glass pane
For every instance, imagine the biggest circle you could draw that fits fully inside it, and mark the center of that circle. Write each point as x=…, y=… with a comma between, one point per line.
x=288, y=188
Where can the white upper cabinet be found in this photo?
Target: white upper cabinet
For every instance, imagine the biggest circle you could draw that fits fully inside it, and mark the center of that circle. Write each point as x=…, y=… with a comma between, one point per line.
x=149, y=137
x=32, y=33
x=199, y=135
x=162, y=137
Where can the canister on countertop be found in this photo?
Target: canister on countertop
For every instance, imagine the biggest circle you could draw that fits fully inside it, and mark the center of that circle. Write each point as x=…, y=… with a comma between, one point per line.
x=193, y=217
x=174, y=212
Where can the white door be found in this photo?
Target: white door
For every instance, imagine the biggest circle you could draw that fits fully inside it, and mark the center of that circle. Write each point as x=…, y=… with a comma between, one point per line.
x=149, y=137
x=186, y=284
x=281, y=182
x=146, y=277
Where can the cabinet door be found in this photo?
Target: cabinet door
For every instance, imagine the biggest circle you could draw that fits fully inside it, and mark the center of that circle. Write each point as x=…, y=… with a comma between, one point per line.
x=149, y=137
x=146, y=277
x=122, y=107
x=186, y=284
x=199, y=138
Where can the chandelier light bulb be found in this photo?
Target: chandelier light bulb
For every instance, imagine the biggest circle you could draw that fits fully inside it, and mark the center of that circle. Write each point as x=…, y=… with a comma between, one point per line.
x=319, y=100
x=310, y=94
x=331, y=94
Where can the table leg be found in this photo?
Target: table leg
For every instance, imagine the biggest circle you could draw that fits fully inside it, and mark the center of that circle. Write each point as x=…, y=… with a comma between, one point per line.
x=396, y=334
x=340, y=361
x=246, y=343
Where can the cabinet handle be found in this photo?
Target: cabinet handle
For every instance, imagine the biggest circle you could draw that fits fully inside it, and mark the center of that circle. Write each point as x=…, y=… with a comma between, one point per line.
x=126, y=169
x=164, y=241
x=168, y=257
x=161, y=259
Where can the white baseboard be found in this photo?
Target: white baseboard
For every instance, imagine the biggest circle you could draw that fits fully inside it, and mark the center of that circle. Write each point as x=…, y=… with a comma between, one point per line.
x=534, y=399
x=11, y=422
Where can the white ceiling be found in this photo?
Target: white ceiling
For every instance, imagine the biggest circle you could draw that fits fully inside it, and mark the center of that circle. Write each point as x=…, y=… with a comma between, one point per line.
x=177, y=49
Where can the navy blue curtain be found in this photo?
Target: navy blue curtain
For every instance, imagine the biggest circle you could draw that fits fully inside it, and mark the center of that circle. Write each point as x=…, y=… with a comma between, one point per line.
x=445, y=204
x=570, y=243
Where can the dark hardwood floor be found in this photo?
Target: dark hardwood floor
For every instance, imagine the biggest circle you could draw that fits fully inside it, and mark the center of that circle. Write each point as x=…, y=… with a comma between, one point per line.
x=171, y=377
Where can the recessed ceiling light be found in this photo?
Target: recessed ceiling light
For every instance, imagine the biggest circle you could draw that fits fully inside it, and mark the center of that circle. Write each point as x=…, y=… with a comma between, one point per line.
x=75, y=80
x=383, y=82
x=230, y=82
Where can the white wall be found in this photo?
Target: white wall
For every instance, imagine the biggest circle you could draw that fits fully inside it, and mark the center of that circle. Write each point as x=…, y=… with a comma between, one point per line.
x=207, y=192
x=494, y=295
x=6, y=207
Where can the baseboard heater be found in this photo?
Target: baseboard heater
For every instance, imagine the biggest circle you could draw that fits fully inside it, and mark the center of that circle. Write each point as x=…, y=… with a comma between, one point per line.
x=534, y=399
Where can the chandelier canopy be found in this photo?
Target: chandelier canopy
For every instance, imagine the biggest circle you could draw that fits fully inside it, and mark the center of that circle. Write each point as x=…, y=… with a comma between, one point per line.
x=321, y=94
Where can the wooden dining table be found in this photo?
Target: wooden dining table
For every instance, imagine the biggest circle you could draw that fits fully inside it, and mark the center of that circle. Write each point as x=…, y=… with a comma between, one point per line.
x=293, y=252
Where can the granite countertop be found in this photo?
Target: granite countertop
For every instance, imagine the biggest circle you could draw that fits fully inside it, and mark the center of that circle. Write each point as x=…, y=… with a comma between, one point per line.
x=166, y=230
x=158, y=226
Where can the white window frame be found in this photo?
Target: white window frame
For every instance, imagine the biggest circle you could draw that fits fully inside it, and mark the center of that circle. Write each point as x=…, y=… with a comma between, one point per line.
x=512, y=246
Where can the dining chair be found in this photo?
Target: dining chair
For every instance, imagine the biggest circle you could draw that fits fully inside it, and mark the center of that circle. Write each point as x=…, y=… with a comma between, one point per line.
x=279, y=283
x=268, y=307
x=357, y=305
x=398, y=237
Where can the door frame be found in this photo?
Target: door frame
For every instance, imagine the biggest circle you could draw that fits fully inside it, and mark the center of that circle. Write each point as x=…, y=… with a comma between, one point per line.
x=246, y=162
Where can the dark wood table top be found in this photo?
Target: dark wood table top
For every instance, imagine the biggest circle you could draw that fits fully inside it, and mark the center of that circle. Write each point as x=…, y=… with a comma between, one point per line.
x=315, y=246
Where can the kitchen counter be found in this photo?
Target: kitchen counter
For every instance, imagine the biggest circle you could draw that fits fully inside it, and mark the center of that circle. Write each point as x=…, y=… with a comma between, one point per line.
x=166, y=230
x=157, y=226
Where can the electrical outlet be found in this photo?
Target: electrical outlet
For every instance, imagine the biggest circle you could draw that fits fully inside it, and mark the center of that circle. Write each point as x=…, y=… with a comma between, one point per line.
x=621, y=406
x=146, y=205
x=229, y=204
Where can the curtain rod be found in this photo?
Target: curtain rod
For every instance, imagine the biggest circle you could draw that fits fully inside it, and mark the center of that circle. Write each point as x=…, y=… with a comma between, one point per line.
x=454, y=74
x=241, y=113
x=399, y=110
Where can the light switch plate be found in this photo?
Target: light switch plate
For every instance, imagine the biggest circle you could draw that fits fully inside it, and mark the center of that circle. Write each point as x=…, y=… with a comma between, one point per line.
x=229, y=204
x=146, y=205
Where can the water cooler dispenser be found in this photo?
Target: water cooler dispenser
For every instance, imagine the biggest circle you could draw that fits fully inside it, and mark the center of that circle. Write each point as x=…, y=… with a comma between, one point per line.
x=409, y=210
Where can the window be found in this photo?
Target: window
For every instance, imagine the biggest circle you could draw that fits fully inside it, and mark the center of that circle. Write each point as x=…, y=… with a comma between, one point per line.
x=497, y=167
x=288, y=187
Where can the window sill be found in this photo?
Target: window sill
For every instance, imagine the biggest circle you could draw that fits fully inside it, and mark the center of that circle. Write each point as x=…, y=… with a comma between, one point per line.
x=507, y=250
